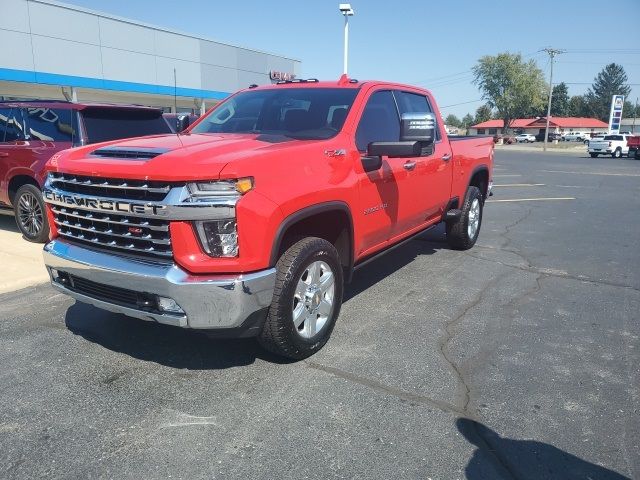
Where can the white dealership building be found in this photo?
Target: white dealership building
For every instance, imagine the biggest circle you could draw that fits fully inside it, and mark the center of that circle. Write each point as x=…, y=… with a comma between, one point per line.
x=54, y=50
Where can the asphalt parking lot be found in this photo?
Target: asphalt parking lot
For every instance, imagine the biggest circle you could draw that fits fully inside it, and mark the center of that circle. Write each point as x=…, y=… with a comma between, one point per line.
x=517, y=359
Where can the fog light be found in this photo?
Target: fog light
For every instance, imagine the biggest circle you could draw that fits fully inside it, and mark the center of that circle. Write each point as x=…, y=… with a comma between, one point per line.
x=54, y=274
x=167, y=304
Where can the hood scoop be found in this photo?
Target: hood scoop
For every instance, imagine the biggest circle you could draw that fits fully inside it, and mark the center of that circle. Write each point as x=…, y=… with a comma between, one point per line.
x=132, y=153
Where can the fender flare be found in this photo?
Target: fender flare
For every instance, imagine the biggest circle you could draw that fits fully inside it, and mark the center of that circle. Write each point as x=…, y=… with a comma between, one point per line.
x=307, y=212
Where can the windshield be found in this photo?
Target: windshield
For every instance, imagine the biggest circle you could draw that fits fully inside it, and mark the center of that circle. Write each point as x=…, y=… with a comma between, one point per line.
x=105, y=124
x=300, y=113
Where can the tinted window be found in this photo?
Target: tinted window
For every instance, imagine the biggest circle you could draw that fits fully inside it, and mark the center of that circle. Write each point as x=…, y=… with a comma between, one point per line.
x=300, y=113
x=11, y=128
x=104, y=124
x=50, y=124
x=414, y=103
x=614, y=137
x=379, y=122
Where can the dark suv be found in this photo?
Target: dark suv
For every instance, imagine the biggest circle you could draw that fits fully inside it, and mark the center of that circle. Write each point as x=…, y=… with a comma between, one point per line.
x=32, y=131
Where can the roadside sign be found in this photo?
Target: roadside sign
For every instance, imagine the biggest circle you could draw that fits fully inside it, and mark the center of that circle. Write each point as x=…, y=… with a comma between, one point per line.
x=617, y=102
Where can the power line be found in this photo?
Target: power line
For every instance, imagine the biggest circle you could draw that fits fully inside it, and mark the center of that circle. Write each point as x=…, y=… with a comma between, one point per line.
x=461, y=103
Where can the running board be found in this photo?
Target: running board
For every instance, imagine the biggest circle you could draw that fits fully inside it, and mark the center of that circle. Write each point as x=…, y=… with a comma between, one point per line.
x=379, y=254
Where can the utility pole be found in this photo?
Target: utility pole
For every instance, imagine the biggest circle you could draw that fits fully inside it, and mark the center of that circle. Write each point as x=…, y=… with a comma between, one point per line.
x=635, y=114
x=552, y=53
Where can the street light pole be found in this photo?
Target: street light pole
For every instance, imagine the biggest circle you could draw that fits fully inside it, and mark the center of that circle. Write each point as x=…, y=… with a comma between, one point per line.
x=347, y=11
x=552, y=53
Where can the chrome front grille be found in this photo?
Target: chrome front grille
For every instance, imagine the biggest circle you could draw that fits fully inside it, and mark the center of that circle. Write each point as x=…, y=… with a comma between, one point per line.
x=114, y=231
x=110, y=187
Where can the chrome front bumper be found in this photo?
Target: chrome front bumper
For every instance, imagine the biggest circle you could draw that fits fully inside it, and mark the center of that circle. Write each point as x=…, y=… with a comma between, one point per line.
x=207, y=301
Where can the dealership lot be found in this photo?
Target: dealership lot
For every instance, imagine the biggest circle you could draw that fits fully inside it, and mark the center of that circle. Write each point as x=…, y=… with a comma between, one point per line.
x=517, y=359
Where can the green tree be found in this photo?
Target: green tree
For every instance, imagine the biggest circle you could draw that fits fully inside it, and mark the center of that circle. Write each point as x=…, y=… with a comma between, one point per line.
x=452, y=121
x=579, y=107
x=560, y=101
x=467, y=121
x=513, y=87
x=629, y=110
x=483, y=113
x=612, y=80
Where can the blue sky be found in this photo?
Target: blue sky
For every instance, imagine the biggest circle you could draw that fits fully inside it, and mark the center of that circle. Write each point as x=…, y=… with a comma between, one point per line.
x=432, y=44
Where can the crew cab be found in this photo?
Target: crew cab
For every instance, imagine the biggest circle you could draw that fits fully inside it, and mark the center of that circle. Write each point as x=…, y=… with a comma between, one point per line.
x=576, y=136
x=32, y=131
x=250, y=222
x=614, y=145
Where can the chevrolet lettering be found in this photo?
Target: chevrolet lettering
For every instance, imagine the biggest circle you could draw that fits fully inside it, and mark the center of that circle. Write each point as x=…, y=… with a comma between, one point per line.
x=101, y=204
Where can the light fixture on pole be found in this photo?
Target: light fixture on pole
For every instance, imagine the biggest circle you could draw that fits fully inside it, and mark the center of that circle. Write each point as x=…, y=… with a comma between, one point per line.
x=347, y=11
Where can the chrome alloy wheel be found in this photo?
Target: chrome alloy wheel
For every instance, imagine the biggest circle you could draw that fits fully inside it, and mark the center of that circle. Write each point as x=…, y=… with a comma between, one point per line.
x=313, y=299
x=30, y=214
x=474, y=218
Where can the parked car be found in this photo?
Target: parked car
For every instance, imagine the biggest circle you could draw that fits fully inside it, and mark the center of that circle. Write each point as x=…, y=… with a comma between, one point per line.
x=179, y=121
x=614, y=145
x=32, y=131
x=525, y=138
x=506, y=139
x=633, y=143
x=553, y=136
x=576, y=136
x=282, y=192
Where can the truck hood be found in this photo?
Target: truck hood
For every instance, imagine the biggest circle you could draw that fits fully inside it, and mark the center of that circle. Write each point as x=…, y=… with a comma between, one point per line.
x=168, y=157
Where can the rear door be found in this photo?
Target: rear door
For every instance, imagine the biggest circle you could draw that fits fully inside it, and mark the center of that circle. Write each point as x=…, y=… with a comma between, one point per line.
x=428, y=184
x=49, y=130
x=14, y=156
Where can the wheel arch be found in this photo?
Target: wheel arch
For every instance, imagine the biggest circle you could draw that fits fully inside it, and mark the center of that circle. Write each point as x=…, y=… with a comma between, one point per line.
x=312, y=221
x=480, y=178
x=18, y=181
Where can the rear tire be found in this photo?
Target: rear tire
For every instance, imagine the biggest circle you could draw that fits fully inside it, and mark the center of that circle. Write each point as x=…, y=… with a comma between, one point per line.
x=617, y=153
x=306, y=300
x=463, y=233
x=594, y=155
x=30, y=214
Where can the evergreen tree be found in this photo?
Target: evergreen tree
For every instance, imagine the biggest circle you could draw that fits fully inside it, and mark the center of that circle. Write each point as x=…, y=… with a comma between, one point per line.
x=483, y=113
x=560, y=101
x=612, y=80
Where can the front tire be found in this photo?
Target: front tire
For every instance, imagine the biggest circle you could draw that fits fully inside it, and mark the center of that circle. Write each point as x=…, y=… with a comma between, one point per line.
x=463, y=233
x=306, y=300
x=594, y=155
x=30, y=214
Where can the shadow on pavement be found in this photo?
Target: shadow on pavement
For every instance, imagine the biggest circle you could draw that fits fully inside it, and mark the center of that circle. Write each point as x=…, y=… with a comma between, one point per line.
x=425, y=244
x=170, y=346
x=525, y=459
x=8, y=223
x=193, y=350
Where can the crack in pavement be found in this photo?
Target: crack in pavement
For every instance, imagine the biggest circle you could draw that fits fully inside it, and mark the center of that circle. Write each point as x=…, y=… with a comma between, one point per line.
x=553, y=273
x=387, y=389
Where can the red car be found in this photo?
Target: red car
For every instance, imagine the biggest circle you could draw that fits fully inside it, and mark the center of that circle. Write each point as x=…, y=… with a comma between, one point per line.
x=250, y=221
x=32, y=131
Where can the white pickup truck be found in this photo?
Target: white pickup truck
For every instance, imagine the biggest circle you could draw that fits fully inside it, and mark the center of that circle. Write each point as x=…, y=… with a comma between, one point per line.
x=614, y=145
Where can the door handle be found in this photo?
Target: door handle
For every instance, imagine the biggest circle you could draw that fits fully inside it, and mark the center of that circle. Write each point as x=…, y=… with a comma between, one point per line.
x=446, y=157
x=3, y=154
x=409, y=165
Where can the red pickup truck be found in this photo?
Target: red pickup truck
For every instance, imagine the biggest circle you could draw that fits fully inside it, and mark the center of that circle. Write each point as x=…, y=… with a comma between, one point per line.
x=250, y=222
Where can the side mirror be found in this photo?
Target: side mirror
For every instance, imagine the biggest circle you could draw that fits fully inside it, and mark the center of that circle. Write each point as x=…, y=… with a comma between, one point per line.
x=418, y=127
x=182, y=123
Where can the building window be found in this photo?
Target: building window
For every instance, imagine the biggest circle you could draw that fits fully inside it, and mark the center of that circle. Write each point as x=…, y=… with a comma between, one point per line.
x=481, y=131
x=493, y=131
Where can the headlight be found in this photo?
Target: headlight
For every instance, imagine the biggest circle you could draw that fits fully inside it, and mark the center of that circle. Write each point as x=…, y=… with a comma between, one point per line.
x=219, y=238
x=204, y=191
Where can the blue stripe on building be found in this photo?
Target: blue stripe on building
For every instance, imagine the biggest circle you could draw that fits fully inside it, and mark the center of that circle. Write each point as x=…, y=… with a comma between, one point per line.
x=44, y=78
